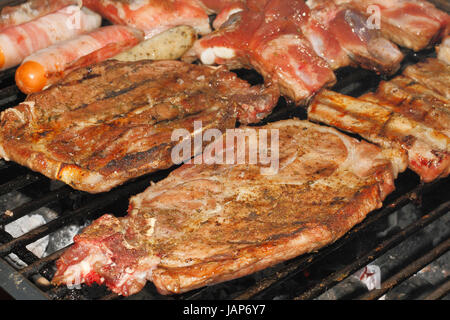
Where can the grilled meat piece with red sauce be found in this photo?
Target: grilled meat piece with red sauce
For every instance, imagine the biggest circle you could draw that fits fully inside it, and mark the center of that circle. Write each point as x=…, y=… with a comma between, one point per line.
x=209, y=223
x=349, y=28
x=112, y=121
x=265, y=35
x=294, y=45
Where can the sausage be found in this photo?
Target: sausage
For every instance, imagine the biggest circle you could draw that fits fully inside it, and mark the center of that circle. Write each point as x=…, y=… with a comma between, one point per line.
x=18, y=42
x=50, y=64
x=30, y=10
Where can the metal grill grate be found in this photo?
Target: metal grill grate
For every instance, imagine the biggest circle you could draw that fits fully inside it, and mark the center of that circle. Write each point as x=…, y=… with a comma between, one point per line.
x=32, y=281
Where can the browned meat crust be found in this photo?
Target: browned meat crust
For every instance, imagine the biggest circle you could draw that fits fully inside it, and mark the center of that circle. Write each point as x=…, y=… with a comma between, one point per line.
x=210, y=223
x=113, y=121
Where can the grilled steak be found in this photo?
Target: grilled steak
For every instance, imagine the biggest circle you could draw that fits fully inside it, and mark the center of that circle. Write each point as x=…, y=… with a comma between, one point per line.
x=208, y=223
x=113, y=121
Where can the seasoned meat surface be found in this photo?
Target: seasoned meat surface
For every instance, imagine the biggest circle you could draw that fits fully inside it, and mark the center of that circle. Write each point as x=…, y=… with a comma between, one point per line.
x=113, y=121
x=208, y=223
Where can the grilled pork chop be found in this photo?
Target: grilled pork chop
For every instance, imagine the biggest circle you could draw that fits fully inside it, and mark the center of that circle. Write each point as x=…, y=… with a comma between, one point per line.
x=112, y=121
x=209, y=223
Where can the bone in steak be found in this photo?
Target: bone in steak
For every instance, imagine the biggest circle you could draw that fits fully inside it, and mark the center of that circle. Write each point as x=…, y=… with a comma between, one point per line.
x=112, y=121
x=206, y=224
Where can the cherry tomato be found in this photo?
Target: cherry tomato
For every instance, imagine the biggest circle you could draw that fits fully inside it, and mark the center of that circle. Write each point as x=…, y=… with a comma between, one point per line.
x=30, y=77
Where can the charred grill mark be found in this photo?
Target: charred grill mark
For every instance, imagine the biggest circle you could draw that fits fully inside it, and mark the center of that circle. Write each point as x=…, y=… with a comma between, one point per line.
x=151, y=155
x=285, y=235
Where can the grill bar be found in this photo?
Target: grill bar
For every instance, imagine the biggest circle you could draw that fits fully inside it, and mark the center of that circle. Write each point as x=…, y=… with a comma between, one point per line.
x=30, y=206
x=19, y=287
x=23, y=253
x=8, y=92
x=440, y=292
x=7, y=74
x=36, y=266
x=19, y=183
x=4, y=165
x=408, y=271
x=336, y=277
x=93, y=207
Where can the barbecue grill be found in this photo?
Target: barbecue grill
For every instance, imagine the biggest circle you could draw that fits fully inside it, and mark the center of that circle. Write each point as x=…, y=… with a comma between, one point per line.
x=309, y=276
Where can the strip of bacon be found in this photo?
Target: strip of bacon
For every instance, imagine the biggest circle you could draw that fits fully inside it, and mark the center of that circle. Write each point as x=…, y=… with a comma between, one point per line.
x=30, y=10
x=153, y=16
x=48, y=65
x=18, y=42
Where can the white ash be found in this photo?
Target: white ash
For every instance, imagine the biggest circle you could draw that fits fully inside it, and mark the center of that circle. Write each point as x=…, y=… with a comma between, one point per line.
x=44, y=246
x=22, y=226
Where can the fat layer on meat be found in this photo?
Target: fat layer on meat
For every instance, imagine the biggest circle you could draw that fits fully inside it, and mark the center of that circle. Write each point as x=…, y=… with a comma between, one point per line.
x=107, y=123
x=209, y=223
